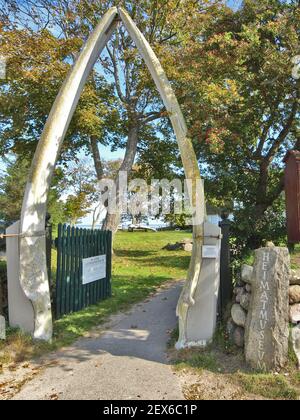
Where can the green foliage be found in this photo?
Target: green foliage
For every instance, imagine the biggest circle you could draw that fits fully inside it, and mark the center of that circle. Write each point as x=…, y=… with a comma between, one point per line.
x=38, y=63
x=179, y=220
x=250, y=233
x=234, y=74
x=80, y=185
x=12, y=185
x=76, y=207
x=12, y=188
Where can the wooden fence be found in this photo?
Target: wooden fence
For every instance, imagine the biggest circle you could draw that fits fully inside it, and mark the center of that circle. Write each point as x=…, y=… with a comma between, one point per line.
x=74, y=247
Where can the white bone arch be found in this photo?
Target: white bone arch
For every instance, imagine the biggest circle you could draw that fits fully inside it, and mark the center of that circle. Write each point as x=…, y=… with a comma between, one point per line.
x=33, y=268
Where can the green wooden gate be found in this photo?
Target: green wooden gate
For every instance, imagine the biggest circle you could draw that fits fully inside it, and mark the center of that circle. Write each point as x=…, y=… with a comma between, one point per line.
x=74, y=245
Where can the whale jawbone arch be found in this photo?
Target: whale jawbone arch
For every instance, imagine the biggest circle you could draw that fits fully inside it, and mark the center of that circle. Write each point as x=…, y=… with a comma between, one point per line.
x=33, y=269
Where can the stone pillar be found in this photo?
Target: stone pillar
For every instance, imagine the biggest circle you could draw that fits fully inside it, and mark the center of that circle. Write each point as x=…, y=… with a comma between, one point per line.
x=20, y=309
x=200, y=322
x=267, y=326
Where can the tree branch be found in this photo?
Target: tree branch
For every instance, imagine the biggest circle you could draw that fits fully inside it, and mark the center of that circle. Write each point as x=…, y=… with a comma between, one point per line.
x=152, y=116
x=112, y=56
x=263, y=138
x=285, y=130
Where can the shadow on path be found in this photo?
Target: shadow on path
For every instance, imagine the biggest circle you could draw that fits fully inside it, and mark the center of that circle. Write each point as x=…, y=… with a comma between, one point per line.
x=126, y=361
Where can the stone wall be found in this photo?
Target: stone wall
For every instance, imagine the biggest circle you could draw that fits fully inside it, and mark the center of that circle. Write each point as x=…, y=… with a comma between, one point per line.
x=266, y=297
x=294, y=297
x=237, y=322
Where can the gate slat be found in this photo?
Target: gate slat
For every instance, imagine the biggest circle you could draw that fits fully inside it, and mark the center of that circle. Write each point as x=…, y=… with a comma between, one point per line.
x=80, y=255
x=68, y=260
x=72, y=270
x=58, y=294
x=77, y=270
x=63, y=272
x=108, y=243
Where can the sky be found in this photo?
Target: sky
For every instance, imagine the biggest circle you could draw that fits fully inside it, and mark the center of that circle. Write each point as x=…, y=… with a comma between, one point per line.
x=107, y=154
x=234, y=4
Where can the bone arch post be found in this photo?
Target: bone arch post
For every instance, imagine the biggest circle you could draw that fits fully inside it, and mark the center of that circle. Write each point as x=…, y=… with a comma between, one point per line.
x=33, y=268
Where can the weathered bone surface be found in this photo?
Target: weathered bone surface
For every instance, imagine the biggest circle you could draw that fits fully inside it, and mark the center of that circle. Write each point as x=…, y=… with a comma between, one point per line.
x=198, y=324
x=33, y=270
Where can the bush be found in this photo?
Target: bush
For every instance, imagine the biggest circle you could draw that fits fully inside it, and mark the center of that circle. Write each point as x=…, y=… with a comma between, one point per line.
x=250, y=233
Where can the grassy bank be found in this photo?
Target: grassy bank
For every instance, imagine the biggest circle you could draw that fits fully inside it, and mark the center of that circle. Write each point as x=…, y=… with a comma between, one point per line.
x=139, y=267
x=220, y=373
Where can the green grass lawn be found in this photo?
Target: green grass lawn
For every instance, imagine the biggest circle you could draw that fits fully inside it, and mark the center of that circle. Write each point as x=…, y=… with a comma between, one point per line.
x=139, y=267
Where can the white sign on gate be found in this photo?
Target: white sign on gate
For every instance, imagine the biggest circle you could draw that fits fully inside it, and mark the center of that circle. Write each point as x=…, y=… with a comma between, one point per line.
x=93, y=269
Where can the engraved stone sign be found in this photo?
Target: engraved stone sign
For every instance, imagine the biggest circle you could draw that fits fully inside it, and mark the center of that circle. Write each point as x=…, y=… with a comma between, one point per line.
x=267, y=331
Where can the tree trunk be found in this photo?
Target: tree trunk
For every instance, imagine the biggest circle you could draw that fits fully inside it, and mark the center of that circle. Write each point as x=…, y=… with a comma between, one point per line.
x=264, y=200
x=112, y=220
x=262, y=190
x=99, y=173
x=96, y=157
x=96, y=215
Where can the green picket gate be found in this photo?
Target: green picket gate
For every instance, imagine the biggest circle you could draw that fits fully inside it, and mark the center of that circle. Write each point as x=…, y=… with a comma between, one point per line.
x=74, y=245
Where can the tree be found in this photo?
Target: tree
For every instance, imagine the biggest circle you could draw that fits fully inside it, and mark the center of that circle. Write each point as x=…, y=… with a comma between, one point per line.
x=138, y=104
x=81, y=188
x=234, y=75
x=12, y=186
x=38, y=63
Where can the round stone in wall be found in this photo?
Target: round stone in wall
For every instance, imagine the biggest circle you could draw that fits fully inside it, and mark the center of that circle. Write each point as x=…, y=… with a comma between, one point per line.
x=294, y=294
x=295, y=313
x=295, y=277
x=247, y=273
x=245, y=301
x=248, y=288
x=230, y=327
x=238, y=315
x=239, y=337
